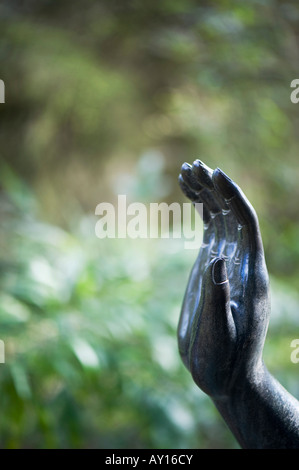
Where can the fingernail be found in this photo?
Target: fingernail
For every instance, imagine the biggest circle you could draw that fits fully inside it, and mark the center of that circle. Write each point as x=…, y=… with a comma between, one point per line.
x=203, y=173
x=224, y=183
x=186, y=167
x=219, y=271
x=188, y=176
x=199, y=163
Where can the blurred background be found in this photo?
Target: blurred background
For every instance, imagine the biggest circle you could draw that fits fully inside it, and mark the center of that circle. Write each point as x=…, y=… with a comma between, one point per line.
x=111, y=97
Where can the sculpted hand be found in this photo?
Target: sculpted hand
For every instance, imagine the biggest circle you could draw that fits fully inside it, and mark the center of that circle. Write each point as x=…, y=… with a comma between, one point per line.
x=225, y=311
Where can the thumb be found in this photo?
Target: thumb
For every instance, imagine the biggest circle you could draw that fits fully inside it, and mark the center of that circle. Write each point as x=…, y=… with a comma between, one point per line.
x=213, y=341
x=216, y=291
x=216, y=318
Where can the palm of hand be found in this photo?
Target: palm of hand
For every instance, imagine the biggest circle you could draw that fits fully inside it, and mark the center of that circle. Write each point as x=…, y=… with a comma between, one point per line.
x=225, y=312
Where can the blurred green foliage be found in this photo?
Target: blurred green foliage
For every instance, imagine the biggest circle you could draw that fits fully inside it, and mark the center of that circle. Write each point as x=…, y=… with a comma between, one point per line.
x=111, y=98
x=90, y=341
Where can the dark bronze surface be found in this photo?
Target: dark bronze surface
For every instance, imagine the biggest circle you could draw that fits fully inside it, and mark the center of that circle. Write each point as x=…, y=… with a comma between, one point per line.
x=225, y=315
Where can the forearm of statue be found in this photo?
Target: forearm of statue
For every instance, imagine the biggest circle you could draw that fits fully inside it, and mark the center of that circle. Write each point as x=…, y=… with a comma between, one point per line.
x=262, y=414
x=225, y=314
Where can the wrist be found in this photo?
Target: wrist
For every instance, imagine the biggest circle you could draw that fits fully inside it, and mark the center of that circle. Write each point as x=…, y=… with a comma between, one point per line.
x=243, y=400
x=251, y=379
